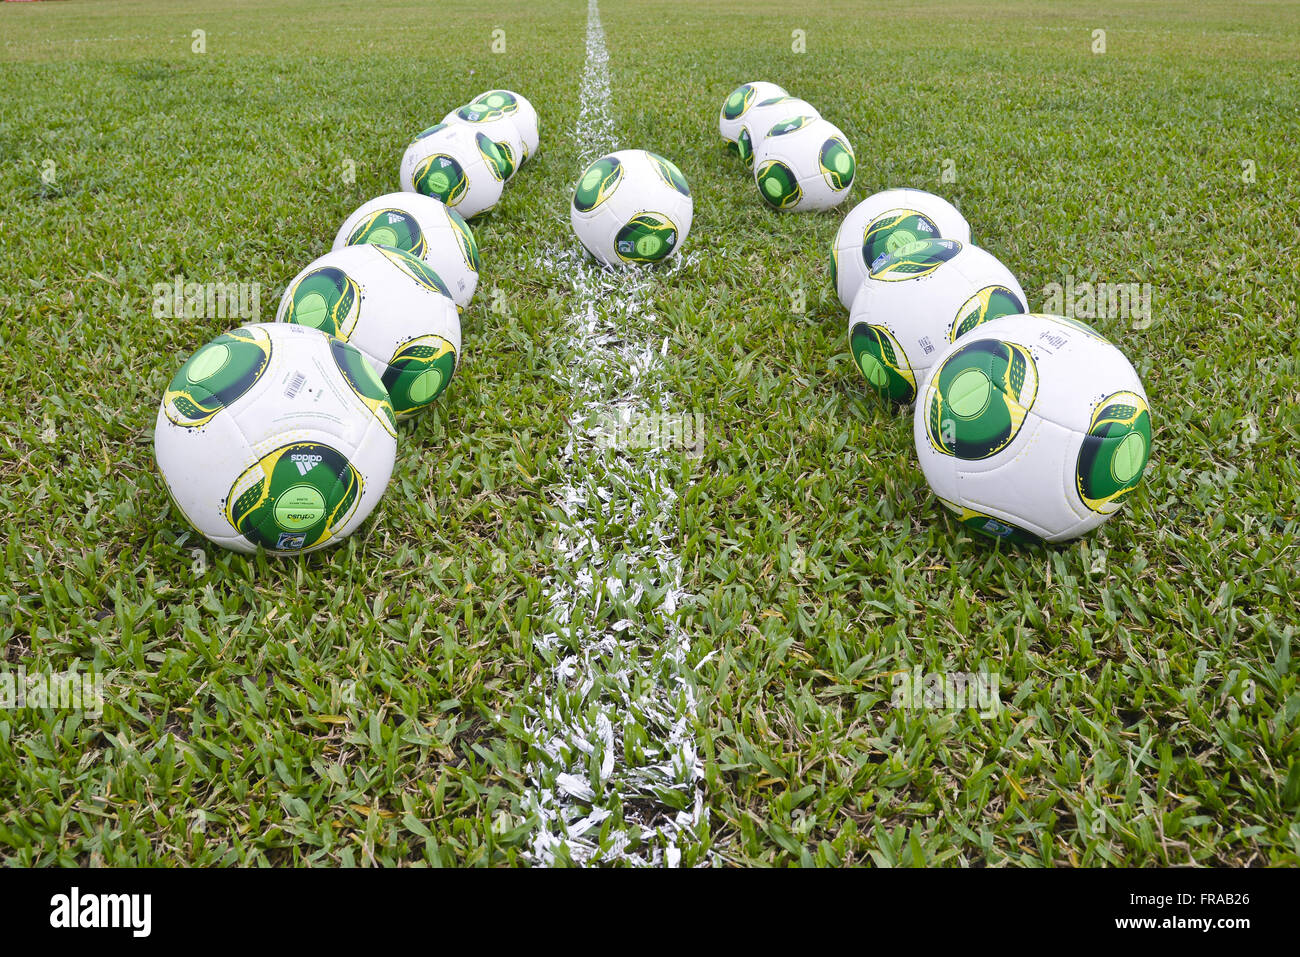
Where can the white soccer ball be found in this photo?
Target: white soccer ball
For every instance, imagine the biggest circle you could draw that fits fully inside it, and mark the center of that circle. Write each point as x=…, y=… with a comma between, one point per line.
x=516, y=106
x=632, y=206
x=883, y=222
x=391, y=307
x=277, y=437
x=423, y=227
x=804, y=163
x=498, y=127
x=765, y=114
x=738, y=104
x=1032, y=428
x=919, y=298
x=456, y=164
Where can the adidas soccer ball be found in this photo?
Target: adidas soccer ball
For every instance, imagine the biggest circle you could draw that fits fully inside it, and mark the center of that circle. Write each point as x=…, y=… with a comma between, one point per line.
x=516, y=106
x=457, y=164
x=882, y=223
x=1032, y=428
x=498, y=127
x=918, y=299
x=739, y=103
x=423, y=227
x=632, y=206
x=277, y=437
x=758, y=122
x=803, y=163
x=391, y=307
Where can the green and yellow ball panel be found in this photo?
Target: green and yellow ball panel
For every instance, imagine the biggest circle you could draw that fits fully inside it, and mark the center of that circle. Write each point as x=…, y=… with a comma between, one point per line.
x=391, y=227
x=1113, y=455
x=598, y=183
x=979, y=398
x=646, y=238
x=883, y=362
x=991, y=302
x=418, y=373
x=327, y=299
x=363, y=381
x=295, y=497
x=778, y=185
x=442, y=177
x=216, y=375
x=913, y=260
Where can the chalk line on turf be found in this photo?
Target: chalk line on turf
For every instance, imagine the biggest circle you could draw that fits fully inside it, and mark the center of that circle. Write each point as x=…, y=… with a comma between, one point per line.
x=617, y=777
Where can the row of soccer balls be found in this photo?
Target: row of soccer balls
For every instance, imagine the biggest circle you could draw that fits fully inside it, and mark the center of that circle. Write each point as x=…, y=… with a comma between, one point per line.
x=799, y=160
x=284, y=435
x=1029, y=427
x=466, y=160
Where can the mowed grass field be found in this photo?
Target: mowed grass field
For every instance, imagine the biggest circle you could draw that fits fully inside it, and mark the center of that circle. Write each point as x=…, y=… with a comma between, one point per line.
x=370, y=703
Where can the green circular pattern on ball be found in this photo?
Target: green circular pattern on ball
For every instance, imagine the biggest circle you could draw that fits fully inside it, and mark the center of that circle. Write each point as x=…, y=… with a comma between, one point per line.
x=215, y=376
x=883, y=362
x=1129, y=458
x=738, y=101
x=887, y=234
x=295, y=497
x=646, y=238
x=778, y=185
x=1113, y=455
x=441, y=177
x=979, y=397
x=598, y=183
x=418, y=373
x=312, y=310
x=873, y=370
x=207, y=362
x=913, y=260
x=391, y=227
x=837, y=163
x=299, y=507
x=969, y=393
x=426, y=386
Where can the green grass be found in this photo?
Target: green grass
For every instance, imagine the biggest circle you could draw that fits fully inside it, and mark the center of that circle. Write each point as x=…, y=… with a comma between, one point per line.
x=366, y=704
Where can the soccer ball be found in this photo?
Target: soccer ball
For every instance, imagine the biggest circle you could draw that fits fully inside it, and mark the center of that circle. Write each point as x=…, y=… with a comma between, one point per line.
x=804, y=163
x=757, y=123
x=457, y=164
x=741, y=100
x=424, y=227
x=1033, y=428
x=277, y=437
x=498, y=103
x=632, y=206
x=918, y=299
x=883, y=222
x=498, y=127
x=391, y=307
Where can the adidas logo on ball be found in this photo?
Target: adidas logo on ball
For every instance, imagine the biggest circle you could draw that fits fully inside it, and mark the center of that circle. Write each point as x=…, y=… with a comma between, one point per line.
x=305, y=461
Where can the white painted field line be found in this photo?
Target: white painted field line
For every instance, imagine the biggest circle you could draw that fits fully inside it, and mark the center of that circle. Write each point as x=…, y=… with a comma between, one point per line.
x=617, y=705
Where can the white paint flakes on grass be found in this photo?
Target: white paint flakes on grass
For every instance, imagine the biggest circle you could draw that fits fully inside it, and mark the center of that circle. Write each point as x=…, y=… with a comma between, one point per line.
x=616, y=776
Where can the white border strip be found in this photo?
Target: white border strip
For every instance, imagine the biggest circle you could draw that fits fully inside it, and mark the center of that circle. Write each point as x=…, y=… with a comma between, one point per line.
x=617, y=777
